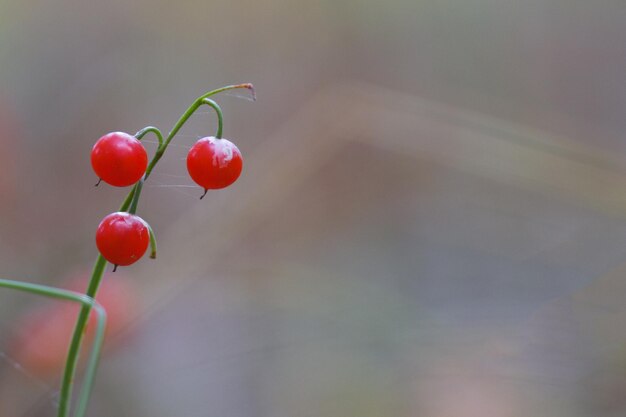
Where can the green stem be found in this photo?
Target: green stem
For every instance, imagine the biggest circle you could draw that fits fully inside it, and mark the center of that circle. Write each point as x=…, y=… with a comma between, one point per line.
x=127, y=200
x=153, y=244
x=81, y=322
x=149, y=129
x=100, y=264
x=220, y=116
x=136, y=195
x=87, y=302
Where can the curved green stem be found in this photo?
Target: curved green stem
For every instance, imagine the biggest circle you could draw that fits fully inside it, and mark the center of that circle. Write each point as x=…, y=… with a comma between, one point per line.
x=139, y=135
x=86, y=302
x=153, y=244
x=220, y=116
x=100, y=264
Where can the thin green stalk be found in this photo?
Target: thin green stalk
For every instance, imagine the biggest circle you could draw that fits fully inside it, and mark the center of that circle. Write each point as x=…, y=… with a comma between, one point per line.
x=136, y=195
x=100, y=264
x=86, y=301
x=127, y=200
x=220, y=116
x=77, y=337
x=139, y=135
x=153, y=244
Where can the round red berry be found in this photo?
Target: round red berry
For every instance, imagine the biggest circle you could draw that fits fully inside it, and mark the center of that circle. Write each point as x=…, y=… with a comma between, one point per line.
x=122, y=238
x=214, y=163
x=119, y=159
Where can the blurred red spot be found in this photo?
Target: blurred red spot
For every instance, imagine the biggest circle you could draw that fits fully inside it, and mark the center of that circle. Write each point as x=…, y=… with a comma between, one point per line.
x=43, y=335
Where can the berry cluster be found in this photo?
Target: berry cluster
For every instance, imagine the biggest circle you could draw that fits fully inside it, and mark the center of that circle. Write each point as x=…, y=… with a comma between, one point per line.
x=120, y=160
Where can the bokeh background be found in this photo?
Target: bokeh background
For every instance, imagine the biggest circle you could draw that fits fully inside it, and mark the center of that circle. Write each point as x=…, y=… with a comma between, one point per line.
x=431, y=220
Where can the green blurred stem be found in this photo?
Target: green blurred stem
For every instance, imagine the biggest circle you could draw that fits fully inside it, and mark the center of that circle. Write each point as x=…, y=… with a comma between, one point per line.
x=100, y=264
x=87, y=302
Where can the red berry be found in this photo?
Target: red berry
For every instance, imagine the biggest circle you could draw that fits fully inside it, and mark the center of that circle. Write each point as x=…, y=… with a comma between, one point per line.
x=122, y=238
x=119, y=159
x=214, y=163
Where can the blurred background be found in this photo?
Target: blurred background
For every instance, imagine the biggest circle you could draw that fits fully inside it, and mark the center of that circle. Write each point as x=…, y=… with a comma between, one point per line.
x=431, y=220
